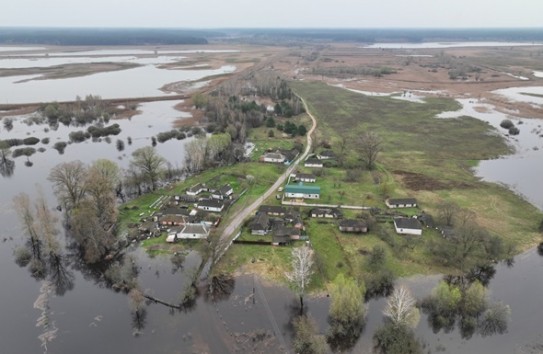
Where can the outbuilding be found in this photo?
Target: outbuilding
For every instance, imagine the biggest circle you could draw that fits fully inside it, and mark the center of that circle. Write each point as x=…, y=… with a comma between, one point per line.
x=302, y=191
x=401, y=203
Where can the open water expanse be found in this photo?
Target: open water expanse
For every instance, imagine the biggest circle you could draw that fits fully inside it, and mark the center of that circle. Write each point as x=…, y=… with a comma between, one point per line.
x=255, y=316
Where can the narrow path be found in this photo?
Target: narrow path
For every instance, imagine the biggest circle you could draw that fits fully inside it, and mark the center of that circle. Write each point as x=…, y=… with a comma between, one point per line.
x=245, y=213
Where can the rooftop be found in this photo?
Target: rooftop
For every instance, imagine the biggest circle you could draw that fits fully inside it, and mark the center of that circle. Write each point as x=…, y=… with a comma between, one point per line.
x=407, y=223
x=301, y=188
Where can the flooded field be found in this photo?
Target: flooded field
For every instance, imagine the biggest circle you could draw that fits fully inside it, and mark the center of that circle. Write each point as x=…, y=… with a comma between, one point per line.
x=437, y=45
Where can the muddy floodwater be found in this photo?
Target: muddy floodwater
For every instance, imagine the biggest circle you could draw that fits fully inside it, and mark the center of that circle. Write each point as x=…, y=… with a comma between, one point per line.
x=253, y=316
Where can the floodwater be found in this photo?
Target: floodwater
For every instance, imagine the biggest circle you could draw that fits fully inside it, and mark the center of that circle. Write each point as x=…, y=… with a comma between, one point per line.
x=523, y=94
x=254, y=317
x=18, y=49
x=437, y=45
x=143, y=81
x=521, y=171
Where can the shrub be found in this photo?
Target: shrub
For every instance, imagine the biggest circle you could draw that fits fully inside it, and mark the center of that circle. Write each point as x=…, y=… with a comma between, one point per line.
x=514, y=131
x=78, y=136
x=45, y=141
x=31, y=141
x=60, y=146
x=27, y=151
x=506, y=124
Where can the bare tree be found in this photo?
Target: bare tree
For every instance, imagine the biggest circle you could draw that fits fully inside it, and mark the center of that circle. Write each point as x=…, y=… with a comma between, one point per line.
x=302, y=263
x=149, y=163
x=196, y=154
x=7, y=165
x=447, y=212
x=101, y=182
x=68, y=180
x=369, y=147
x=401, y=309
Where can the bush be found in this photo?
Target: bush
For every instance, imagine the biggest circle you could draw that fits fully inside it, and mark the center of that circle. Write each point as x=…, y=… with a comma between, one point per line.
x=97, y=132
x=506, y=124
x=60, y=146
x=78, y=136
x=31, y=141
x=514, y=131
x=45, y=141
x=27, y=151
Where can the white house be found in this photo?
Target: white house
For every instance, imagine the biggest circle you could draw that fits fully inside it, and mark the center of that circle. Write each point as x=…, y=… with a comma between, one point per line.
x=194, y=231
x=273, y=157
x=407, y=226
x=197, y=189
x=223, y=193
x=401, y=203
x=305, y=177
x=211, y=205
x=312, y=162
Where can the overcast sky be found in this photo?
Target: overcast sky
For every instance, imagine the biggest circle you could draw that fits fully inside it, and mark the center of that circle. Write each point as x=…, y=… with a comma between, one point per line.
x=272, y=13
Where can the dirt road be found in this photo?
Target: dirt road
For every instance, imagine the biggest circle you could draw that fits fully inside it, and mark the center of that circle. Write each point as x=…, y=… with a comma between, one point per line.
x=245, y=213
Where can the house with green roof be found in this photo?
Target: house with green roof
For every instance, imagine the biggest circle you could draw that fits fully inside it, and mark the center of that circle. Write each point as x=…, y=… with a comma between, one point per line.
x=302, y=191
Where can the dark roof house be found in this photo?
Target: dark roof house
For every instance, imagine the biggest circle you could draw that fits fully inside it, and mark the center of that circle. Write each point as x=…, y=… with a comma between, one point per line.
x=352, y=225
x=325, y=213
x=275, y=210
x=407, y=226
x=260, y=224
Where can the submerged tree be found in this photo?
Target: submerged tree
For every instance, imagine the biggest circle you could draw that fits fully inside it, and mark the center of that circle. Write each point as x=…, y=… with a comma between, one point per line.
x=347, y=313
x=299, y=277
x=149, y=164
x=7, y=165
x=68, y=180
x=306, y=338
x=401, y=308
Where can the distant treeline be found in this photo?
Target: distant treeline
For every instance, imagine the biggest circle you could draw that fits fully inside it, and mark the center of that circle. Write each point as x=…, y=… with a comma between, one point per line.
x=392, y=35
x=109, y=36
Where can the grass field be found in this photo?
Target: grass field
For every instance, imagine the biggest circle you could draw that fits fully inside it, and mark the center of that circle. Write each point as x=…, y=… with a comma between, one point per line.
x=423, y=157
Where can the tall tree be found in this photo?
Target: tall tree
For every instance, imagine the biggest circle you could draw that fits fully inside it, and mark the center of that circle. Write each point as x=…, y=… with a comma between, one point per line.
x=299, y=277
x=101, y=182
x=196, y=154
x=68, y=180
x=369, y=146
x=149, y=163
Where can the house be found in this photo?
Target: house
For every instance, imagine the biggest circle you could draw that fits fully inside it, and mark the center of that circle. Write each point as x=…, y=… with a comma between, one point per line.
x=273, y=210
x=354, y=226
x=301, y=191
x=222, y=193
x=260, y=225
x=331, y=213
x=294, y=218
x=207, y=218
x=407, y=226
x=273, y=157
x=280, y=240
x=185, y=198
x=194, y=231
x=305, y=177
x=214, y=205
x=401, y=203
x=283, y=231
x=326, y=155
x=313, y=162
x=173, y=217
x=290, y=155
x=172, y=234
x=197, y=189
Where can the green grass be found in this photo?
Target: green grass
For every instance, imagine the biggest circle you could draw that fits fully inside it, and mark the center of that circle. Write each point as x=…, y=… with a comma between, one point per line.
x=423, y=157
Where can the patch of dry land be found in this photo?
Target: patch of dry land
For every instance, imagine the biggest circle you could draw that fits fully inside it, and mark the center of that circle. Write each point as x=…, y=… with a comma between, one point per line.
x=444, y=72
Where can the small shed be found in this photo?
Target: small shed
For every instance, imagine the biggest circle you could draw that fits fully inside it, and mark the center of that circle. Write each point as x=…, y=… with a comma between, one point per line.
x=329, y=213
